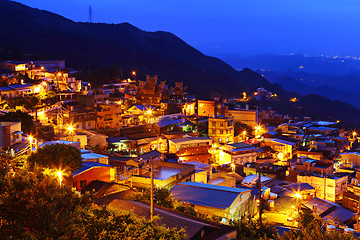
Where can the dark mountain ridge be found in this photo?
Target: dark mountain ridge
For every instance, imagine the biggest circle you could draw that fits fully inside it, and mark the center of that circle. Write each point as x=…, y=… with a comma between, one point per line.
x=45, y=35
x=30, y=33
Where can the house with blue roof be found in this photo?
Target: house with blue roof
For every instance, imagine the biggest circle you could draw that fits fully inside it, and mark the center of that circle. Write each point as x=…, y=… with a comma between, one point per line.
x=214, y=200
x=91, y=171
x=237, y=153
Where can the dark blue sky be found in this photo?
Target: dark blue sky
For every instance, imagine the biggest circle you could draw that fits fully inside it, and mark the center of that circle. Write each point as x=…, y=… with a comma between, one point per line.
x=232, y=26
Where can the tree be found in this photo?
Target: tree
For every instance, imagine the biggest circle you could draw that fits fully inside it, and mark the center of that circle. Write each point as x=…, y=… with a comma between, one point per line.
x=163, y=197
x=27, y=124
x=57, y=156
x=33, y=206
x=46, y=132
x=310, y=227
x=249, y=228
x=104, y=224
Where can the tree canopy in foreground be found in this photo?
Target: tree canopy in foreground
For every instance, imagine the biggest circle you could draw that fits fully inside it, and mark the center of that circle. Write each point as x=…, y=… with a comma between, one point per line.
x=33, y=206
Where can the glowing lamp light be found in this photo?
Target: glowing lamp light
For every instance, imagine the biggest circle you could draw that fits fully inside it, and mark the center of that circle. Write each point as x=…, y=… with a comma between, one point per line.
x=149, y=111
x=298, y=195
x=59, y=174
x=37, y=89
x=31, y=138
x=71, y=128
x=133, y=73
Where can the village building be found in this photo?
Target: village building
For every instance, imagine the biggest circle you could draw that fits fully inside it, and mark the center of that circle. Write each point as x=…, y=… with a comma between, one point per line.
x=209, y=200
x=237, y=153
x=221, y=129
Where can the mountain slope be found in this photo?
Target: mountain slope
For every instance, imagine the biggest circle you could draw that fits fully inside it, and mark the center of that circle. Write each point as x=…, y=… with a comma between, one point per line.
x=30, y=33
x=41, y=34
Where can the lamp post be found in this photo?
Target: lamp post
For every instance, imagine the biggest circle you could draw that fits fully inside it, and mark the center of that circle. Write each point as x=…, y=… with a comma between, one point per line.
x=152, y=170
x=259, y=192
x=233, y=166
x=152, y=193
x=70, y=128
x=298, y=198
x=30, y=142
x=59, y=174
x=244, y=135
x=133, y=73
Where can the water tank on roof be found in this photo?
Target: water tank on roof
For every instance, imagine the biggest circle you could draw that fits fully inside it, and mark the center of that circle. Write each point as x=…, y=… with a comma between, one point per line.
x=356, y=182
x=330, y=228
x=348, y=231
x=271, y=205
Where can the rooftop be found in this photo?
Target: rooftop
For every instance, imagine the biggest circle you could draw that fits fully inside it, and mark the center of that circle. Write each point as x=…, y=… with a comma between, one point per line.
x=206, y=194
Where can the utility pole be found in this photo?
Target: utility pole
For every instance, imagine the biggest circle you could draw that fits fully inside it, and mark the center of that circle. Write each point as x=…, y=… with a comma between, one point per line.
x=357, y=215
x=152, y=192
x=36, y=128
x=259, y=192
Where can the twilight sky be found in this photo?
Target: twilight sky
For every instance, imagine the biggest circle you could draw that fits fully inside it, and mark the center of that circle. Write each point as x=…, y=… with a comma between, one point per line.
x=220, y=27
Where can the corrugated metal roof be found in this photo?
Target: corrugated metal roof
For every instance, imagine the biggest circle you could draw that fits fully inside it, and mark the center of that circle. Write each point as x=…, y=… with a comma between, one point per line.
x=190, y=139
x=206, y=194
x=198, y=165
x=253, y=178
x=86, y=156
x=340, y=213
x=330, y=210
x=322, y=205
x=296, y=187
x=88, y=165
x=171, y=122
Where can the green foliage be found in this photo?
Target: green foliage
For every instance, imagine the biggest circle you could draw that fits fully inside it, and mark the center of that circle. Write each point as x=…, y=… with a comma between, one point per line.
x=56, y=156
x=249, y=228
x=104, y=224
x=307, y=219
x=46, y=95
x=163, y=197
x=185, y=208
x=310, y=227
x=239, y=128
x=46, y=133
x=27, y=124
x=28, y=102
x=33, y=206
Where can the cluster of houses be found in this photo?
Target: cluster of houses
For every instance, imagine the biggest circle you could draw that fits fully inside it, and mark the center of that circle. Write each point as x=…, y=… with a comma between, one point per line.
x=220, y=156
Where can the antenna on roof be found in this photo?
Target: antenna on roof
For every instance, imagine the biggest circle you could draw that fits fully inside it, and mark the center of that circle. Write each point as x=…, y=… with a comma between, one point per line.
x=90, y=14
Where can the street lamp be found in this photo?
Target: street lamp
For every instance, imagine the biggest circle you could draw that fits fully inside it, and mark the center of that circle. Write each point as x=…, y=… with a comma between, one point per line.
x=298, y=198
x=244, y=134
x=233, y=167
x=59, y=174
x=133, y=73
x=31, y=138
x=258, y=130
x=71, y=130
x=354, y=133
